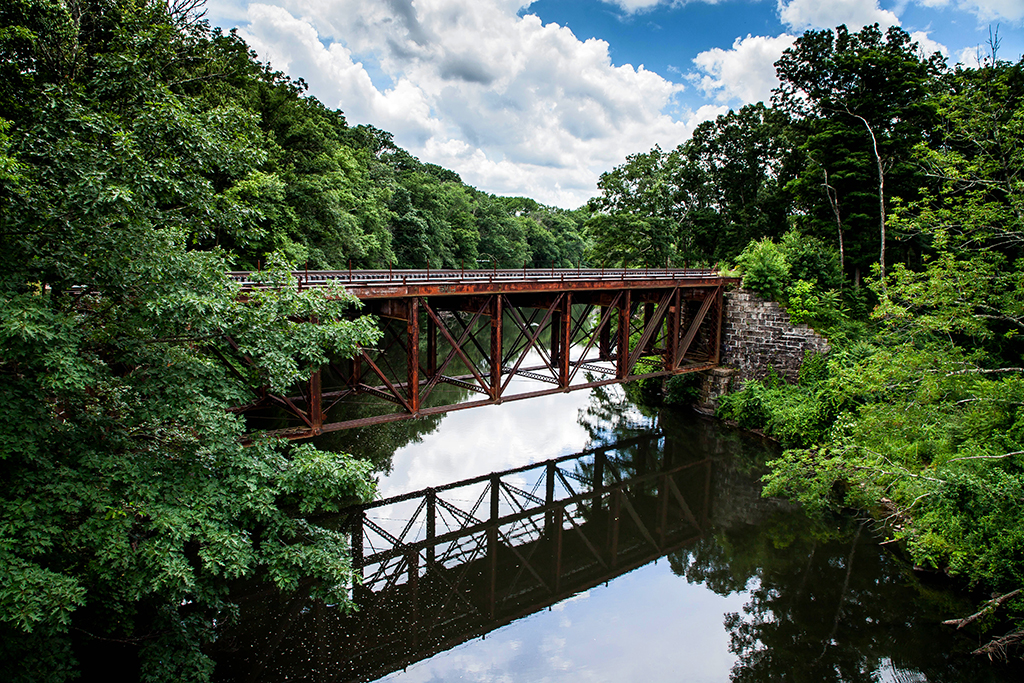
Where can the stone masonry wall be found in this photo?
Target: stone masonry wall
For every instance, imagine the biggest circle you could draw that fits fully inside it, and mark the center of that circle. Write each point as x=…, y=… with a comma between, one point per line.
x=757, y=334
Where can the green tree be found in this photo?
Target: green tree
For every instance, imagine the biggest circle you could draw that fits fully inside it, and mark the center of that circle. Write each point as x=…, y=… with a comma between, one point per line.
x=765, y=268
x=128, y=498
x=629, y=241
x=736, y=169
x=862, y=99
x=705, y=200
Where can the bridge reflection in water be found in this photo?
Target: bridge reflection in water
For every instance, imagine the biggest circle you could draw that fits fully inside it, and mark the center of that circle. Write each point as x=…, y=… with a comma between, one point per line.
x=444, y=565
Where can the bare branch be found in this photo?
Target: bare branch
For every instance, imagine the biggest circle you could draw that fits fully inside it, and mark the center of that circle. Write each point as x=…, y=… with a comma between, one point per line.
x=983, y=371
x=992, y=604
x=996, y=648
x=881, y=194
x=987, y=457
x=186, y=13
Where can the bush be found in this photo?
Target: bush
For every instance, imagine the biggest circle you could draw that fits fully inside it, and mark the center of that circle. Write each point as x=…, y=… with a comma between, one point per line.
x=821, y=309
x=797, y=415
x=682, y=390
x=746, y=407
x=811, y=259
x=764, y=267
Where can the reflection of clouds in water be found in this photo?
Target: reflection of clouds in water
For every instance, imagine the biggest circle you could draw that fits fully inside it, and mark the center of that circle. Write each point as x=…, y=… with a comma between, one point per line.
x=568, y=601
x=553, y=648
x=648, y=625
x=482, y=440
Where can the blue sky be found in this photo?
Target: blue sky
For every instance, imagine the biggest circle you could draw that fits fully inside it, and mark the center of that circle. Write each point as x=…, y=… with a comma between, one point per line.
x=539, y=98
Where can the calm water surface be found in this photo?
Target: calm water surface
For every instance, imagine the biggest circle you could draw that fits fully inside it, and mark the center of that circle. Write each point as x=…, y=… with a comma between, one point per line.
x=750, y=590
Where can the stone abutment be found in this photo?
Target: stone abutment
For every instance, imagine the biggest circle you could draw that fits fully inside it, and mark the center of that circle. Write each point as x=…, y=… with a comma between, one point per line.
x=757, y=336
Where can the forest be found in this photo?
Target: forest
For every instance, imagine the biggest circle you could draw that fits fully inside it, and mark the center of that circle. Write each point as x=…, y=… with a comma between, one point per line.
x=878, y=197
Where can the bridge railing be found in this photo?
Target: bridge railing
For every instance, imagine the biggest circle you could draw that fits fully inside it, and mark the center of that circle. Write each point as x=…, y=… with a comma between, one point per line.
x=322, y=278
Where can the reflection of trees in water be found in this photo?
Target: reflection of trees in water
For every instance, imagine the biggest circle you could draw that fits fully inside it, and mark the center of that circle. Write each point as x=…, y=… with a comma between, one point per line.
x=612, y=416
x=827, y=603
x=378, y=443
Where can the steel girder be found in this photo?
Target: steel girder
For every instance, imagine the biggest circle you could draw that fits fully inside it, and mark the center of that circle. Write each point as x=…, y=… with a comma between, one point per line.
x=500, y=346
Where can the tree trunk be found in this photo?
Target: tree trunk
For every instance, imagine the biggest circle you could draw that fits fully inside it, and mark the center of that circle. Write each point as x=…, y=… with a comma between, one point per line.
x=881, y=194
x=833, y=200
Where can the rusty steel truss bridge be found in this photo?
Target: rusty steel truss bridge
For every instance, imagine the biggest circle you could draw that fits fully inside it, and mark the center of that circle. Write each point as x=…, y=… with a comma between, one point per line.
x=497, y=335
x=443, y=565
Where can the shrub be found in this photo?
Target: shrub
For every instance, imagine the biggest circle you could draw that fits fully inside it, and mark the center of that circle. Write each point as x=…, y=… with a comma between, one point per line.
x=821, y=309
x=764, y=268
x=811, y=259
x=682, y=389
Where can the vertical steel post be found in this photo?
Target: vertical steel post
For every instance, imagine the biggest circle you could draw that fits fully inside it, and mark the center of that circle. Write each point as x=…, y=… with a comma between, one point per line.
x=614, y=524
x=707, y=495
x=549, y=497
x=597, y=486
x=492, y=541
x=662, y=507
x=566, y=344
x=357, y=544
x=496, y=346
x=412, y=558
x=316, y=404
x=559, y=514
x=357, y=372
x=431, y=348
x=672, y=347
x=412, y=335
x=625, y=313
x=431, y=526
x=716, y=351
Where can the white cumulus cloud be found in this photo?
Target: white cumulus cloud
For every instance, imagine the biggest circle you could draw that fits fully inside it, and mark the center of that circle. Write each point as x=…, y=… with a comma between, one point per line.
x=513, y=105
x=744, y=73
x=633, y=6
x=636, y=6
x=985, y=10
x=927, y=45
x=800, y=15
x=990, y=10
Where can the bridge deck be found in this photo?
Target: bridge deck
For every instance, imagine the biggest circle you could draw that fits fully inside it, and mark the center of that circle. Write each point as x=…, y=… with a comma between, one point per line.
x=383, y=284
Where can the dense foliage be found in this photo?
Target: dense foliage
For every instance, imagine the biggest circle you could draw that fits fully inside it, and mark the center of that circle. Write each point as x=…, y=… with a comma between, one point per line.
x=701, y=202
x=921, y=420
x=128, y=500
x=876, y=164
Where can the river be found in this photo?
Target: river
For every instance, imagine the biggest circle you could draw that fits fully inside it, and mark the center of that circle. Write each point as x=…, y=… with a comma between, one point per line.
x=675, y=569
